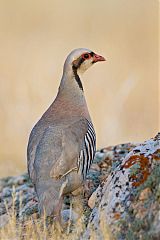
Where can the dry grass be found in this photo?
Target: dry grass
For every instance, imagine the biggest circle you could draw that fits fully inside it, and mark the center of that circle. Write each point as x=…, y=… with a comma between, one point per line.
x=36, y=229
x=33, y=228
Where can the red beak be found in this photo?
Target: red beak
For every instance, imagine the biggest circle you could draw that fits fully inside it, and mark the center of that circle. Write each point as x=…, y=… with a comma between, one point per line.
x=98, y=58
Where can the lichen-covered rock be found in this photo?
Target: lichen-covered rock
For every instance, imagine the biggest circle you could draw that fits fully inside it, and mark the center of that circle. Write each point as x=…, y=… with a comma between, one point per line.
x=121, y=195
x=128, y=201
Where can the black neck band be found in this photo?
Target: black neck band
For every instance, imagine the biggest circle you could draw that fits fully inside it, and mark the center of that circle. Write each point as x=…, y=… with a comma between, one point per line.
x=77, y=78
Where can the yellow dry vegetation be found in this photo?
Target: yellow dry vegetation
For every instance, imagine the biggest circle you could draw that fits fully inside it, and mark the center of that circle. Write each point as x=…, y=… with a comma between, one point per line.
x=33, y=228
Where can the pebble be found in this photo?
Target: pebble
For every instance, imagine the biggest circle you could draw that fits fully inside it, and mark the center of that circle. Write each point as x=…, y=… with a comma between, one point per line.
x=4, y=219
x=145, y=194
x=92, y=200
x=71, y=215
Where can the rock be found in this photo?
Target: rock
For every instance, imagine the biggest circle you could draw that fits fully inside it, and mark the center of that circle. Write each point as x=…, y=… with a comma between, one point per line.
x=119, y=199
x=121, y=196
x=145, y=194
x=4, y=219
x=68, y=214
x=92, y=200
x=95, y=167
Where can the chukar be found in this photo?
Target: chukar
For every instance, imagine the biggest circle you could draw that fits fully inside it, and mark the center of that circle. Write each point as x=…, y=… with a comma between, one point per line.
x=62, y=144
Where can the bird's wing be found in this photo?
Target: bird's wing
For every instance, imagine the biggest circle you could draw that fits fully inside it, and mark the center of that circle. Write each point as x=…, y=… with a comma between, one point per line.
x=72, y=142
x=62, y=149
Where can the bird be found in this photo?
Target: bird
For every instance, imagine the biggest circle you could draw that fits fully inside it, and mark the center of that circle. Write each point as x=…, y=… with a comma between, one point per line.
x=62, y=144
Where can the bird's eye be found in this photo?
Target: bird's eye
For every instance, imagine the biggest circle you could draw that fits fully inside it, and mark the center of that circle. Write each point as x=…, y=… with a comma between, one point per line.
x=86, y=56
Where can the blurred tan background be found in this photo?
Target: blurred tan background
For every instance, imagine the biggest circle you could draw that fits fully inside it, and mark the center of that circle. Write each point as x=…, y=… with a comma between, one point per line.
x=122, y=93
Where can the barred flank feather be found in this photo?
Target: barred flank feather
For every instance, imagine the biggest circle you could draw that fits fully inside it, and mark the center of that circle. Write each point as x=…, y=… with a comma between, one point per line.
x=87, y=153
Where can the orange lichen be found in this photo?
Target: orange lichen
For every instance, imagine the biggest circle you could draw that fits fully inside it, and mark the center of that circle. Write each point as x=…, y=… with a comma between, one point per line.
x=143, y=170
x=117, y=215
x=156, y=155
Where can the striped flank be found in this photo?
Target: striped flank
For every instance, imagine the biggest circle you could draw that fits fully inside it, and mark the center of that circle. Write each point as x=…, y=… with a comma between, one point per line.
x=87, y=153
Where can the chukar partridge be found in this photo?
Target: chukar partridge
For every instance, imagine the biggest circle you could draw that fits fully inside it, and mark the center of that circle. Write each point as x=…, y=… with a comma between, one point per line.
x=62, y=144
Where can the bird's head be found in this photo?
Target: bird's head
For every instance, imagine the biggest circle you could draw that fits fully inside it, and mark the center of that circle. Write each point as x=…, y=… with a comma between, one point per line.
x=81, y=59
x=77, y=62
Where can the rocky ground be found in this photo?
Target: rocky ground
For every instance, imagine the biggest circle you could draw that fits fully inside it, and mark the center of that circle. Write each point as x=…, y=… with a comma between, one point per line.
x=121, y=199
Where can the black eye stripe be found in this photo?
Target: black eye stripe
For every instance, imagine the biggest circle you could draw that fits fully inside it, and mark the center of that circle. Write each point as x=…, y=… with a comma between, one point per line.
x=92, y=54
x=88, y=55
x=82, y=58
